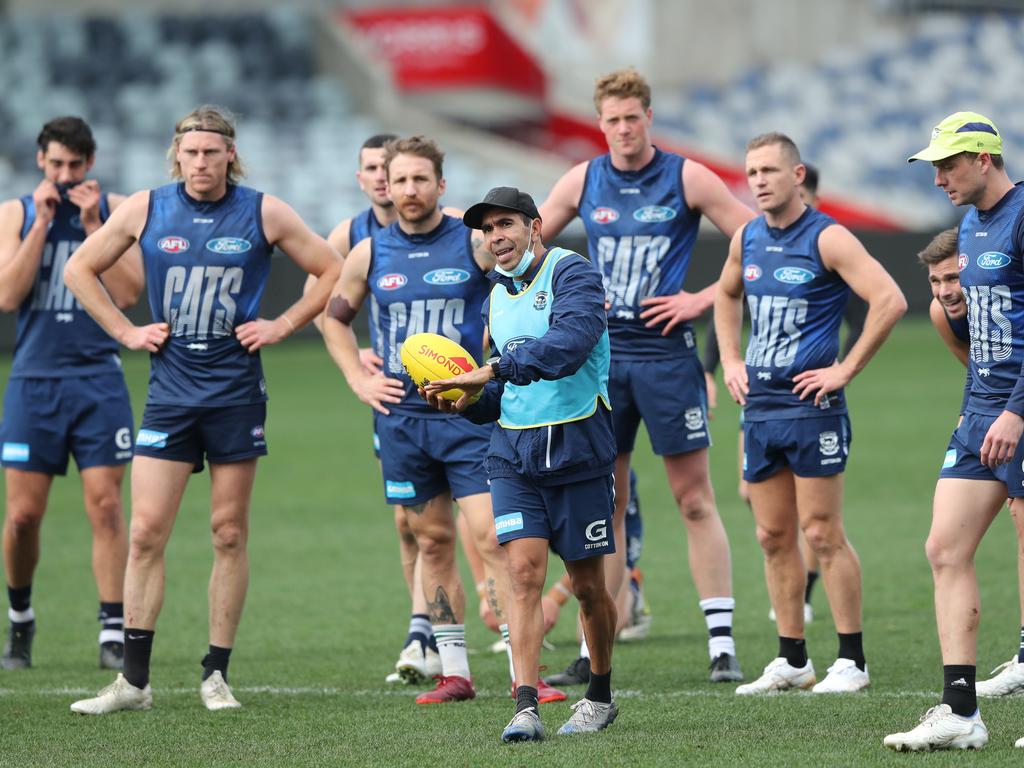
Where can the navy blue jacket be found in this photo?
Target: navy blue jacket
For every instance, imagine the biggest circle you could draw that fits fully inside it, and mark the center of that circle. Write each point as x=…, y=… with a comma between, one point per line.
x=559, y=453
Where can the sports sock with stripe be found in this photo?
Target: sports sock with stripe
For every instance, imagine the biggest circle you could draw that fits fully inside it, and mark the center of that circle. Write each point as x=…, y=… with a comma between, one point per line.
x=111, y=617
x=138, y=646
x=503, y=628
x=451, y=645
x=718, y=616
x=958, y=688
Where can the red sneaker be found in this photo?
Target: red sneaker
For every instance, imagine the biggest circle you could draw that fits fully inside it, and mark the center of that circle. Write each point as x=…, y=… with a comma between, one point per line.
x=546, y=694
x=452, y=688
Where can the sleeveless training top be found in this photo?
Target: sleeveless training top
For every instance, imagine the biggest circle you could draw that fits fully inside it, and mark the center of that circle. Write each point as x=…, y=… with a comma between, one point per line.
x=425, y=283
x=796, y=308
x=55, y=337
x=640, y=234
x=206, y=267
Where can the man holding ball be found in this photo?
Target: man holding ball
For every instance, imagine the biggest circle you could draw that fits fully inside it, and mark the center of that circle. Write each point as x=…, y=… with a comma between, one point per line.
x=551, y=463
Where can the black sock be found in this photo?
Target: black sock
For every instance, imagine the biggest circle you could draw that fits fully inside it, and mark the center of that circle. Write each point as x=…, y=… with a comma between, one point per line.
x=138, y=645
x=20, y=598
x=216, y=659
x=812, y=576
x=1020, y=653
x=526, y=697
x=794, y=651
x=851, y=647
x=600, y=687
x=111, y=617
x=958, y=689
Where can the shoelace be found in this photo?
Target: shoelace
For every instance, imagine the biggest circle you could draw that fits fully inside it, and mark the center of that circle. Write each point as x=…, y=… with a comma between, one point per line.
x=1004, y=665
x=585, y=709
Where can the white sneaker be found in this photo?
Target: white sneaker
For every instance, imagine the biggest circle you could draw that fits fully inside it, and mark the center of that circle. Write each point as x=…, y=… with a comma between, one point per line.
x=1019, y=743
x=808, y=613
x=589, y=717
x=416, y=664
x=498, y=646
x=779, y=675
x=1008, y=680
x=941, y=729
x=216, y=694
x=119, y=695
x=394, y=677
x=843, y=677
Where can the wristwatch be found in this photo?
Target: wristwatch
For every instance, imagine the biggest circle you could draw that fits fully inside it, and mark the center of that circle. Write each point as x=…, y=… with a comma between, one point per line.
x=495, y=363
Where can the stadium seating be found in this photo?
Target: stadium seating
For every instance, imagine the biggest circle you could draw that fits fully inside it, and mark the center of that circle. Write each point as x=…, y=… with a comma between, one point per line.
x=859, y=113
x=132, y=76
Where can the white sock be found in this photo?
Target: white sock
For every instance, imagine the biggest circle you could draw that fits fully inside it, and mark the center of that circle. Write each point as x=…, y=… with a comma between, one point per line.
x=718, y=616
x=419, y=623
x=451, y=645
x=584, y=651
x=21, y=617
x=503, y=628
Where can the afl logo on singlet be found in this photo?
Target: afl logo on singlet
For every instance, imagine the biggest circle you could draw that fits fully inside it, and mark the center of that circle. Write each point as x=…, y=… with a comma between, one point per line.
x=751, y=273
x=173, y=244
x=604, y=215
x=961, y=261
x=391, y=282
x=228, y=245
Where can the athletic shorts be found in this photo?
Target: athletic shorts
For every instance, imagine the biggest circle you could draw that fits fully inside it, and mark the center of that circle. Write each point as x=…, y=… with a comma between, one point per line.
x=816, y=447
x=575, y=518
x=422, y=458
x=221, y=434
x=47, y=420
x=669, y=395
x=964, y=451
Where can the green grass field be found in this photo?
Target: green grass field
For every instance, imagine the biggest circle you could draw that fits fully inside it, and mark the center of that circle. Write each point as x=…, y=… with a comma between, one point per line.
x=327, y=612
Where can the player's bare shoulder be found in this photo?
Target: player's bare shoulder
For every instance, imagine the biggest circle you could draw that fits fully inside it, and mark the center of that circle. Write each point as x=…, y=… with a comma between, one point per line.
x=129, y=214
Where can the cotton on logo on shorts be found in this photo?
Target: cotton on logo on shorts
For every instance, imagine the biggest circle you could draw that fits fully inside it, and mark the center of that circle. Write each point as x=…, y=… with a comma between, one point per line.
x=597, y=532
x=123, y=438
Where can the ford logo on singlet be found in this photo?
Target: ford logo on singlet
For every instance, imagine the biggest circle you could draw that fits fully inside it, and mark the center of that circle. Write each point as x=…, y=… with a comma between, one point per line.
x=228, y=245
x=653, y=214
x=993, y=260
x=446, y=276
x=173, y=244
x=604, y=215
x=751, y=273
x=793, y=275
x=391, y=282
x=513, y=343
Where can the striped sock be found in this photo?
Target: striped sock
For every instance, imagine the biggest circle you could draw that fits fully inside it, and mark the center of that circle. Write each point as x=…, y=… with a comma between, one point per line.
x=1020, y=653
x=451, y=645
x=419, y=629
x=718, y=616
x=111, y=617
x=503, y=628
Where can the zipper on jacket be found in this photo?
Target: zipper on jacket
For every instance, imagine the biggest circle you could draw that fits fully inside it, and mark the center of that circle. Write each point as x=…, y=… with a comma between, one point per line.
x=547, y=455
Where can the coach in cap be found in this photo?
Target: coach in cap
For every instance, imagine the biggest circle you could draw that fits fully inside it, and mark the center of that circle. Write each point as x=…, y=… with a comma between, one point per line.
x=550, y=464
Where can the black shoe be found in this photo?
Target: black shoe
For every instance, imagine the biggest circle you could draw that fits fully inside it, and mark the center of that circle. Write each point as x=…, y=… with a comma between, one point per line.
x=725, y=668
x=577, y=673
x=112, y=655
x=18, y=651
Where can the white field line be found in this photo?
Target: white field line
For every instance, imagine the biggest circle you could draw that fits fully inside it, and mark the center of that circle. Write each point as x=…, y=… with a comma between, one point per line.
x=403, y=692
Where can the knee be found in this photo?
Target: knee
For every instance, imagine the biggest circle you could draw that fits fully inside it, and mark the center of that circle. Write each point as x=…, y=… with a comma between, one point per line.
x=695, y=505
x=488, y=547
x=145, y=540
x=23, y=519
x=435, y=542
x=229, y=537
x=774, y=540
x=823, y=539
x=590, y=593
x=526, y=578
x=106, y=513
x=942, y=553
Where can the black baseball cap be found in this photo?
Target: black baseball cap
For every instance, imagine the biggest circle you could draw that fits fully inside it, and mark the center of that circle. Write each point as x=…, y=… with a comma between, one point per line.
x=500, y=197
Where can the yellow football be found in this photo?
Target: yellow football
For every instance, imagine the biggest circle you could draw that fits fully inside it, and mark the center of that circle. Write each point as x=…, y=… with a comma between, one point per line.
x=431, y=357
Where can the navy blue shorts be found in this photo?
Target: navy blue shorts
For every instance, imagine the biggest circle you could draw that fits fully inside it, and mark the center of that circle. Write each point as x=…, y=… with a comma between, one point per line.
x=815, y=447
x=423, y=458
x=669, y=395
x=963, y=456
x=48, y=420
x=222, y=434
x=575, y=518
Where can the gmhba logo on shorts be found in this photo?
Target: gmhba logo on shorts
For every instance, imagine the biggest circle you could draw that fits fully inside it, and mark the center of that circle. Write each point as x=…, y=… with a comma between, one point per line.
x=150, y=438
x=793, y=275
x=446, y=276
x=654, y=214
x=508, y=523
x=228, y=245
x=172, y=244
